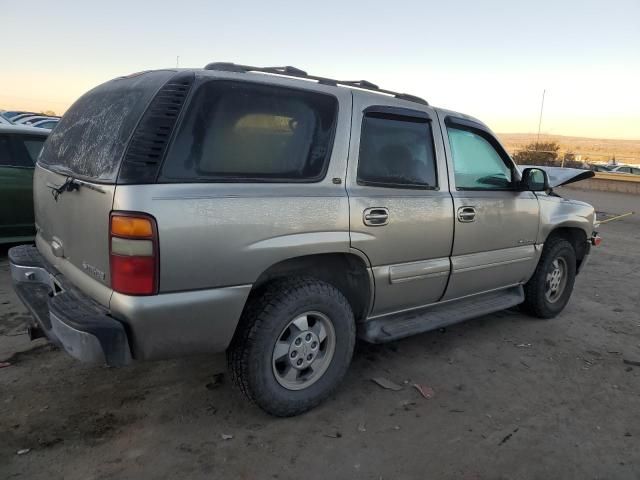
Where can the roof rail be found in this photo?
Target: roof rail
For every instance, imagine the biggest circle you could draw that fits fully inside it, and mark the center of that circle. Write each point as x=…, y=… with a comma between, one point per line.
x=289, y=71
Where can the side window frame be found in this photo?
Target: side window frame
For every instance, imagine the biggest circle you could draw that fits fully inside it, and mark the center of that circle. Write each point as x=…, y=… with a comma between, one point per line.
x=400, y=112
x=481, y=131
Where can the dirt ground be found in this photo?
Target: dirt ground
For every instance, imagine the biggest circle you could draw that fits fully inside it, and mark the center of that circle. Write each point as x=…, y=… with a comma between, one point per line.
x=515, y=398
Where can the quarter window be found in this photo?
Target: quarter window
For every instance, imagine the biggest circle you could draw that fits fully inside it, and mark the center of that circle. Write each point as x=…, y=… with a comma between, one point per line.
x=396, y=152
x=476, y=163
x=236, y=131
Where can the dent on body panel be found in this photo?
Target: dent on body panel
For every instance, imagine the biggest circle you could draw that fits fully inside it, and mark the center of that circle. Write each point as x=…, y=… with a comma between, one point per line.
x=557, y=212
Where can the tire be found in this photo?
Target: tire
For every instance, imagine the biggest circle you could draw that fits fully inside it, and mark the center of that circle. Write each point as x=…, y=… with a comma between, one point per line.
x=539, y=298
x=267, y=320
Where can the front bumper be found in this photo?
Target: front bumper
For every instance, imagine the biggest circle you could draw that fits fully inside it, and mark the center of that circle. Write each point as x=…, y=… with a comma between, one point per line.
x=67, y=317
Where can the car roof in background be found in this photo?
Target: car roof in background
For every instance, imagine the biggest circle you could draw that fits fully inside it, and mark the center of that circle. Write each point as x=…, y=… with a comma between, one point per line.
x=25, y=129
x=33, y=118
x=46, y=120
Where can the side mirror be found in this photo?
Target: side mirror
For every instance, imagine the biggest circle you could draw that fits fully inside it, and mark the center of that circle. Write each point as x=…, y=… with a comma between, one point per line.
x=534, y=180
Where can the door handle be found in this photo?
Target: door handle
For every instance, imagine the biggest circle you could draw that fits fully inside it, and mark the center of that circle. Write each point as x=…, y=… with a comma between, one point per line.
x=466, y=214
x=376, y=216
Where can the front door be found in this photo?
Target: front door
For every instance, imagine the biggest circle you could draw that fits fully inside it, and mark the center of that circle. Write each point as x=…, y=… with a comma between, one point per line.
x=401, y=213
x=496, y=224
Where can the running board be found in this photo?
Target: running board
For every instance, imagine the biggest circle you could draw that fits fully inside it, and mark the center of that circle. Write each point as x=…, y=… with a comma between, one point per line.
x=394, y=327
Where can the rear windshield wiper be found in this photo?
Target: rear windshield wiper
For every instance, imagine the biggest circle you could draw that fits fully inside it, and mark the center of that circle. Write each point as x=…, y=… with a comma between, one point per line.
x=70, y=184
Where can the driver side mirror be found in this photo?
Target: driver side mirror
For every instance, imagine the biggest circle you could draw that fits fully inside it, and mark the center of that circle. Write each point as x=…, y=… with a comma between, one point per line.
x=534, y=180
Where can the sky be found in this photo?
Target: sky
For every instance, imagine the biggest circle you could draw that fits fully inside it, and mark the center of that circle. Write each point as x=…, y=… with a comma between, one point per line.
x=491, y=59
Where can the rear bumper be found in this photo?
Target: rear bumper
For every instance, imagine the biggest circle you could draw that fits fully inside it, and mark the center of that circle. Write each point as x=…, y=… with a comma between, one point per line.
x=67, y=317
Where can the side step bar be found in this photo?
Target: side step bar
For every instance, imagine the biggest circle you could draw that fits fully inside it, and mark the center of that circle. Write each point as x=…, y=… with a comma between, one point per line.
x=394, y=327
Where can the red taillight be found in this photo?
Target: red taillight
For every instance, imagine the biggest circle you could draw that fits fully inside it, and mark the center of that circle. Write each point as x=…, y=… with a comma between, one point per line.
x=133, y=246
x=596, y=240
x=133, y=275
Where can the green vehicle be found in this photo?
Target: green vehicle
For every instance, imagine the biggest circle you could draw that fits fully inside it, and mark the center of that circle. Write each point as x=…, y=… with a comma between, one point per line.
x=19, y=149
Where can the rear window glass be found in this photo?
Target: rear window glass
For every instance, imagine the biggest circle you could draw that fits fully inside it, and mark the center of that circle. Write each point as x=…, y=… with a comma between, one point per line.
x=236, y=131
x=90, y=139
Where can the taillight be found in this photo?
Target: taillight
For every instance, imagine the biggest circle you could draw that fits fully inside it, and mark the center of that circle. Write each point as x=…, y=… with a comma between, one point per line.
x=596, y=240
x=133, y=248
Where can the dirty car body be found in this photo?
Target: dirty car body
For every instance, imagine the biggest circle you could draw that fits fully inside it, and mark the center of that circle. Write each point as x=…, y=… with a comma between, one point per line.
x=171, y=205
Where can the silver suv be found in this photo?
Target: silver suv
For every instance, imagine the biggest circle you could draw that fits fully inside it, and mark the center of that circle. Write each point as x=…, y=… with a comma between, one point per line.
x=276, y=216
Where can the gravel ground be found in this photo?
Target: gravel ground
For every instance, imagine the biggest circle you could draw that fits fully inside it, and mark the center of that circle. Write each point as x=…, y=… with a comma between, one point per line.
x=514, y=398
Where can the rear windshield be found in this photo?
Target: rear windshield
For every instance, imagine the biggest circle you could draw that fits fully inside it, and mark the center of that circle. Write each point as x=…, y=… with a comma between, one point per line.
x=90, y=139
x=241, y=131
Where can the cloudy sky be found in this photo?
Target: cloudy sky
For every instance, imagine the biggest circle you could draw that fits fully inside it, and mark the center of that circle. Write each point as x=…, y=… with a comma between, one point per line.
x=491, y=59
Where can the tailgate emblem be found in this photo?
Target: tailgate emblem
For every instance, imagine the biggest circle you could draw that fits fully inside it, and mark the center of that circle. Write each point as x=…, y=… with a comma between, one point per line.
x=93, y=271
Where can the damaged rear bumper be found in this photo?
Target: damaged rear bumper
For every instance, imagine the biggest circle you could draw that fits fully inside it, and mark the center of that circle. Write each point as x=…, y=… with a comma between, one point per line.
x=65, y=315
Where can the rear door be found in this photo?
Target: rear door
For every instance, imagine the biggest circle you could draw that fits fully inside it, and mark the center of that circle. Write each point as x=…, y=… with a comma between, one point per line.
x=401, y=213
x=496, y=225
x=18, y=154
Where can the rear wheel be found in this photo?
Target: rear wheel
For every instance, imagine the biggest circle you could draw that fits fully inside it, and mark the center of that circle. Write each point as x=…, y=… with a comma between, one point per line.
x=293, y=345
x=550, y=287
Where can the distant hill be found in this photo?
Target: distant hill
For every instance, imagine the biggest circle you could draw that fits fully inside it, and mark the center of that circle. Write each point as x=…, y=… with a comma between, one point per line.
x=595, y=149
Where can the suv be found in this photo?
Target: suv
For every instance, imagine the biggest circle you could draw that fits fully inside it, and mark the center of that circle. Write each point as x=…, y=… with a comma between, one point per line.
x=276, y=216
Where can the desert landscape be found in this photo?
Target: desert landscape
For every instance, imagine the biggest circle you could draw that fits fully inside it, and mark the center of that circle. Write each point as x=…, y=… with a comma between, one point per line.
x=593, y=149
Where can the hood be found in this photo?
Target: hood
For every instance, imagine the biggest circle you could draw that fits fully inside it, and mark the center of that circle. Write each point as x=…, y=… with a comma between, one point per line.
x=559, y=176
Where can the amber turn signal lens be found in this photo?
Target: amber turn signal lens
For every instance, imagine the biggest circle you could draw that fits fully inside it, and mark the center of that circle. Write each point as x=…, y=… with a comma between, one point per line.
x=131, y=227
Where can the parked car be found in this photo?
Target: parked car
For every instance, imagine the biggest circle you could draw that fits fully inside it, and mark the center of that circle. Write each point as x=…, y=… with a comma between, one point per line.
x=16, y=116
x=625, y=169
x=48, y=123
x=599, y=167
x=277, y=215
x=30, y=119
x=19, y=148
x=9, y=114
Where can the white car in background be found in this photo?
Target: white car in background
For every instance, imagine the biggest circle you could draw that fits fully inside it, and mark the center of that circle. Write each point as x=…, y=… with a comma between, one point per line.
x=46, y=123
x=30, y=119
x=625, y=169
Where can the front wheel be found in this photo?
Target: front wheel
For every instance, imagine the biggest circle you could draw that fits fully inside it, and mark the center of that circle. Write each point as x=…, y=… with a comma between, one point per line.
x=550, y=287
x=293, y=346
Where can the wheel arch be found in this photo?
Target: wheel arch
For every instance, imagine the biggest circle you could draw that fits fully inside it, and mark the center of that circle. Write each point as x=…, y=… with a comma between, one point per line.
x=348, y=272
x=576, y=236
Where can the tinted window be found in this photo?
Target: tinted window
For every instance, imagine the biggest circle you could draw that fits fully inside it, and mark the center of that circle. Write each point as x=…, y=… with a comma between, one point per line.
x=235, y=131
x=90, y=139
x=32, y=146
x=20, y=150
x=6, y=155
x=396, y=151
x=476, y=163
x=624, y=170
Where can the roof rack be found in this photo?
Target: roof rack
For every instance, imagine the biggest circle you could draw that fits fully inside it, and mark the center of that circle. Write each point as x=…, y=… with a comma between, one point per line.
x=289, y=71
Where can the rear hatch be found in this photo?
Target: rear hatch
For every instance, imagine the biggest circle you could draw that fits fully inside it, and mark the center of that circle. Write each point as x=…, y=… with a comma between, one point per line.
x=76, y=175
